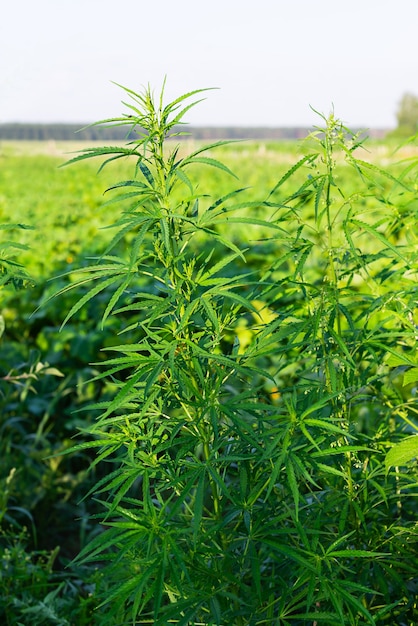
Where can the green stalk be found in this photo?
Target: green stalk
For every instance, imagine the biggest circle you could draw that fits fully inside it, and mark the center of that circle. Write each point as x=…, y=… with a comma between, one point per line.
x=330, y=131
x=213, y=487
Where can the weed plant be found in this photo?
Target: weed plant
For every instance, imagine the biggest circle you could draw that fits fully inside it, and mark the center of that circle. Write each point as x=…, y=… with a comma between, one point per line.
x=255, y=387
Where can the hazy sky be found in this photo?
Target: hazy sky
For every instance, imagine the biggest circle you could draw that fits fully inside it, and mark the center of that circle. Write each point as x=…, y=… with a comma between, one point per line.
x=271, y=59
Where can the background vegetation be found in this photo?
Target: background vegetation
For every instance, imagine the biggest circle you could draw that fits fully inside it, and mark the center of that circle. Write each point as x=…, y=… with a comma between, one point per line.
x=291, y=515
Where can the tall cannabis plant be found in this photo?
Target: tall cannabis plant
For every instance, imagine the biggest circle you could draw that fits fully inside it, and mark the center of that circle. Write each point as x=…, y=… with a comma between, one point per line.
x=250, y=397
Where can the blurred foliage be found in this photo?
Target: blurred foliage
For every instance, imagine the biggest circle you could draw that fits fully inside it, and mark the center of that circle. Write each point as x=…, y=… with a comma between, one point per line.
x=407, y=116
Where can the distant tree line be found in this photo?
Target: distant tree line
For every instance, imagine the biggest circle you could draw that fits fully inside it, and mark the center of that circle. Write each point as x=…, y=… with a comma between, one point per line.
x=75, y=132
x=71, y=132
x=59, y=132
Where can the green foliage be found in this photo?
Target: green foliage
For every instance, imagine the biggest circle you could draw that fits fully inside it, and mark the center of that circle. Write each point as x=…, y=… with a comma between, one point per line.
x=12, y=272
x=252, y=396
x=30, y=591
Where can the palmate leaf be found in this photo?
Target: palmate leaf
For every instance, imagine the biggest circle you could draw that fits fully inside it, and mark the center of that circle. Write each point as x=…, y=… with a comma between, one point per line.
x=90, y=294
x=308, y=158
x=98, y=546
x=351, y=600
x=403, y=452
x=400, y=358
x=318, y=199
x=114, y=366
x=215, y=284
x=89, y=153
x=388, y=245
x=208, y=161
x=126, y=393
x=101, y=485
x=147, y=174
x=181, y=612
x=364, y=165
x=177, y=119
x=208, y=271
x=206, y=301
x=174, y=105
x=343, y=449
x=411, y=376
x=134, y=588
x=298, y=556
x=225, y=291
x=115, y=298
x=225, y=242
x=140, y=191
x=215, y=207
x=186, y=488
x=330, y=469
x=207, y=147
x=14, y=226
x=93, y=272
x=355, y=554
x=221, y=485
x=14, y=245
x=182, y=176
x=216, y=358
x=319, y=404
x=198, y=505
x=303, y=195
x=141, y=188
x=251, y=221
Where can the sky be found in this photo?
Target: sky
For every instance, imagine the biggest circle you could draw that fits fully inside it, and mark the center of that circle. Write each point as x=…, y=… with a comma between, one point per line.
x=271, y=61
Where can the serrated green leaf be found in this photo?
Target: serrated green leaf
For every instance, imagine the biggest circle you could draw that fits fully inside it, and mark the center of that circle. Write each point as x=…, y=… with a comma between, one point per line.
x=124, y=393
x=209, y=161
x=291, y=171
x=292, y=553
x=375, y=233
x=403, y=452
x=356, y=554
x=89, y=295
x=386, y=174
x=182, y=176
x=115, y=299
x=89, y=153
x=411, y=376
x=397, y=358
x=353, y=601
x=291, y=479
x=146, y=172
x=319, y=404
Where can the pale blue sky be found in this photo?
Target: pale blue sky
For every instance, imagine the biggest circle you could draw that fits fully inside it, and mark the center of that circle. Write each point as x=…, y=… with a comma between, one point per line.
x=271, y=59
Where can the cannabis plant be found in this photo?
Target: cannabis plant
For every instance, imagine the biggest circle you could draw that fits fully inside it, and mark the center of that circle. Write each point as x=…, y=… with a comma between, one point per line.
x=251, y=394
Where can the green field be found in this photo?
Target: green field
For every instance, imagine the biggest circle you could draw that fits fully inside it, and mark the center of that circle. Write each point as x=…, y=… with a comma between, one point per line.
x=328, y=344
x=66, y=205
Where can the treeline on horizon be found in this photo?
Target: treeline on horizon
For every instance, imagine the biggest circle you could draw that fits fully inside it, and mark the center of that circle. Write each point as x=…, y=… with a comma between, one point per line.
x=75, y=132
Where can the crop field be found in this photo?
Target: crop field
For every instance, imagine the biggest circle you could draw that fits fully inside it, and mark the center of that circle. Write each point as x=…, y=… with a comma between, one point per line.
x=208, y=379
x=66, y=206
